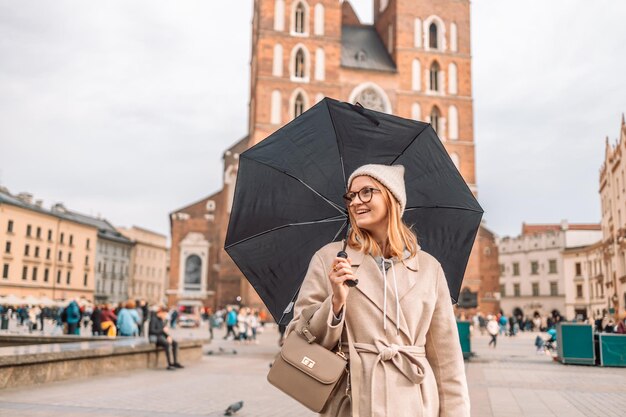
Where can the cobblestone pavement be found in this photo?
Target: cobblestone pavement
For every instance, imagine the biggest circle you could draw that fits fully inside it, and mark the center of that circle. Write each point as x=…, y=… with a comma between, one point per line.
x=508, y=381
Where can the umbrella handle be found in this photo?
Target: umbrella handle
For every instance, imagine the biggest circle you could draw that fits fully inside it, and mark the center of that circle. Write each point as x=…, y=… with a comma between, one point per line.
x=349, y=282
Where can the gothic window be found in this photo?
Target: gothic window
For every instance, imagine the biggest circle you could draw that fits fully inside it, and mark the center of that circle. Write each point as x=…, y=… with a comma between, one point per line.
x=434, y=76
x=435, y=118
x=299, y=19
x=417, y=35
x=432, y=35
x=453, y=37
x=320, y=64
x=298, y=105
x=277, y=67
x=193, y=272
x=299, y=64
x=416, y=112
x=370, y=99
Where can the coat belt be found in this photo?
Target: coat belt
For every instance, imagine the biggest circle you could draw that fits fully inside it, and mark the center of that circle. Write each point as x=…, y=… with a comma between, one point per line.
x=404, y=358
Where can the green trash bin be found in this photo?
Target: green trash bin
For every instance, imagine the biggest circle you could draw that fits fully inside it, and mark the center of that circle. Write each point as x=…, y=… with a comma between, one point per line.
x=575, y=343
x=464, y=336
x=612, y=349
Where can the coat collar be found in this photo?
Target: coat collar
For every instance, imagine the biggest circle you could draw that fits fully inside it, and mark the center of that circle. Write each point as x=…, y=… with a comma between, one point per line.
x=370, y=284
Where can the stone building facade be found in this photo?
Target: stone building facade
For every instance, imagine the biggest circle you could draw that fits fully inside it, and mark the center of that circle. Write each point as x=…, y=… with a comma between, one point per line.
x=414, y=61
x=533, y=275
x=613, y=204
x=45, y=252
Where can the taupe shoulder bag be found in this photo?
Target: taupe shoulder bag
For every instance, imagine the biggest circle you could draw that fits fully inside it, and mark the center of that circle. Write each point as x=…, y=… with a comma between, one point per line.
x=307, y=371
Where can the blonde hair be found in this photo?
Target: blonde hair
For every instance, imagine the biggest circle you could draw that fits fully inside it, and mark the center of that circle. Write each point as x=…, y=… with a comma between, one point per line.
x=399, y=235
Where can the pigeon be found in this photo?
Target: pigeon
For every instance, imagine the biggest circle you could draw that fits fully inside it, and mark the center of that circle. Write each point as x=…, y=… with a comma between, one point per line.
x=233, y=408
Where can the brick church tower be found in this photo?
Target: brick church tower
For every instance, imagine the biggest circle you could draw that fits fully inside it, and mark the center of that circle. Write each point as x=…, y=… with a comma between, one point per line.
x=413, y=61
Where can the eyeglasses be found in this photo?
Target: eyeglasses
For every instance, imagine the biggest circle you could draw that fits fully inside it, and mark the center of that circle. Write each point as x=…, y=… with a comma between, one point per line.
x=365, y=195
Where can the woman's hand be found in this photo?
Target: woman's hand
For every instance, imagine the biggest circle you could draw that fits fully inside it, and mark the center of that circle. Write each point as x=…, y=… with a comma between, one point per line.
x=340, y=272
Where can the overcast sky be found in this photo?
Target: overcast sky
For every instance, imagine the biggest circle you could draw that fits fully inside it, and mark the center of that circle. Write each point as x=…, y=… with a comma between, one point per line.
x=123, y=108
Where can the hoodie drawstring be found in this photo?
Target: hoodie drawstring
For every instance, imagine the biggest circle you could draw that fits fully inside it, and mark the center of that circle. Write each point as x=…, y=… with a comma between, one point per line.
x=395, y=284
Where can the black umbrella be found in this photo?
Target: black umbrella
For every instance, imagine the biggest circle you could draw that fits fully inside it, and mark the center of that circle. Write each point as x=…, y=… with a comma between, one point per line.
x=288, y=198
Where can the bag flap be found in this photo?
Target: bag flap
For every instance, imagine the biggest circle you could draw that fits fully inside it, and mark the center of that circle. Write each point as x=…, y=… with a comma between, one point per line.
x=312, y=359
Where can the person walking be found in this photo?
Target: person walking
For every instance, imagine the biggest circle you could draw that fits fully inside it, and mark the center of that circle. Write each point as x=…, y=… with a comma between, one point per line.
x=72, y=318
x=128, y=320
x=158, y=335
x=231, y=322
x=402, y=338
x=96, y=321
x=493, y=329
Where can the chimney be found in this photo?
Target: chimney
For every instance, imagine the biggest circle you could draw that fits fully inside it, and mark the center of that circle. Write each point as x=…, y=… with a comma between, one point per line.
x=25, y=198
x=564, y=225
x=59, y=207
x=39, y=203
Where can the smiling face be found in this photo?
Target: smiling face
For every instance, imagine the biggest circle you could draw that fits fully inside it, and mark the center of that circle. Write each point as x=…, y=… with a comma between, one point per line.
x=371, y=216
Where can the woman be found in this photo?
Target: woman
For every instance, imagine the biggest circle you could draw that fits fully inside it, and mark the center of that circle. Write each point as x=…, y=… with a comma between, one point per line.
x=404, y=352
x=493, y=328
x=128, y=320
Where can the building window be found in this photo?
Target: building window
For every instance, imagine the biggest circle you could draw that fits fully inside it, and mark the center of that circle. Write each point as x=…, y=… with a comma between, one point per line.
x=69, y=257
x=62, y=238
x=299, y=69
x=516, y=290
x=535, y=289
x=434, y=76
x=452, y=79
x=36, y=251
x=38, y=233
x=7, y=247
x=193, y=273
x=502, y=269
x=10, y=226
x=416, y=76
x=435, y=118
x=319, y=19
x=86, y=260
x=299, y=19
x=34, y=273
x=502, y=290
x=58, y=277
x=432, y=34
x=552, y=266
x=298, y=105
x=24, y=273
x=5, y=271
x=49, y=235
x=71, y=240
x=554, y=288
x=320, y=64
x=534, y=268
x=27, y=250
x=279, y=15
x=416, y=112
x=46, y=274
x=28, y=230
x=453, y=123
x=48, y=253
x=277, y=66
x=87, y=246
x=515, y=269
x=578, y=269
x=579, y=291
x=417, y=35
x=453, y=37
x=68, y=278
x=60, y=255
x=85, y=280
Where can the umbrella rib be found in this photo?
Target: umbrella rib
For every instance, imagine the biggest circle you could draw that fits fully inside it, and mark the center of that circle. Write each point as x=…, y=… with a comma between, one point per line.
x=410, y=143
x=343, y=169
x=335, y=206
x=446, y=207
x=327, y=220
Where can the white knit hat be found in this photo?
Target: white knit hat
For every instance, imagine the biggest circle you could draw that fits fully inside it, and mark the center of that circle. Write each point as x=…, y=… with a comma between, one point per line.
x=391, y=176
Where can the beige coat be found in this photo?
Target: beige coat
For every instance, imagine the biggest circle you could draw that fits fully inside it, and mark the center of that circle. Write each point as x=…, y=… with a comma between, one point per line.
x=414, y=367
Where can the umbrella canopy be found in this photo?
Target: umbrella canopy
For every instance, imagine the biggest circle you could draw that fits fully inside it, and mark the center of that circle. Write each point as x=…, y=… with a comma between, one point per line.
x=30, y=300
x=288, y=199
x=12, y=300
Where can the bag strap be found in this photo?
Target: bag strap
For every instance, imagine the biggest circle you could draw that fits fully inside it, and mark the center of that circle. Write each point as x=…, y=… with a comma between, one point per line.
x=304, y=330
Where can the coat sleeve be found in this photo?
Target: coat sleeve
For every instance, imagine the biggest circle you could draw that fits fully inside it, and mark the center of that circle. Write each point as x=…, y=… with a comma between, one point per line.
x=316, y=290
x=443, y=352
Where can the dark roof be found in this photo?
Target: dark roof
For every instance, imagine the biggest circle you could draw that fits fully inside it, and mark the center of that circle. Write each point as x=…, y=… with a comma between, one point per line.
x=105, y=229
x=362, y=48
